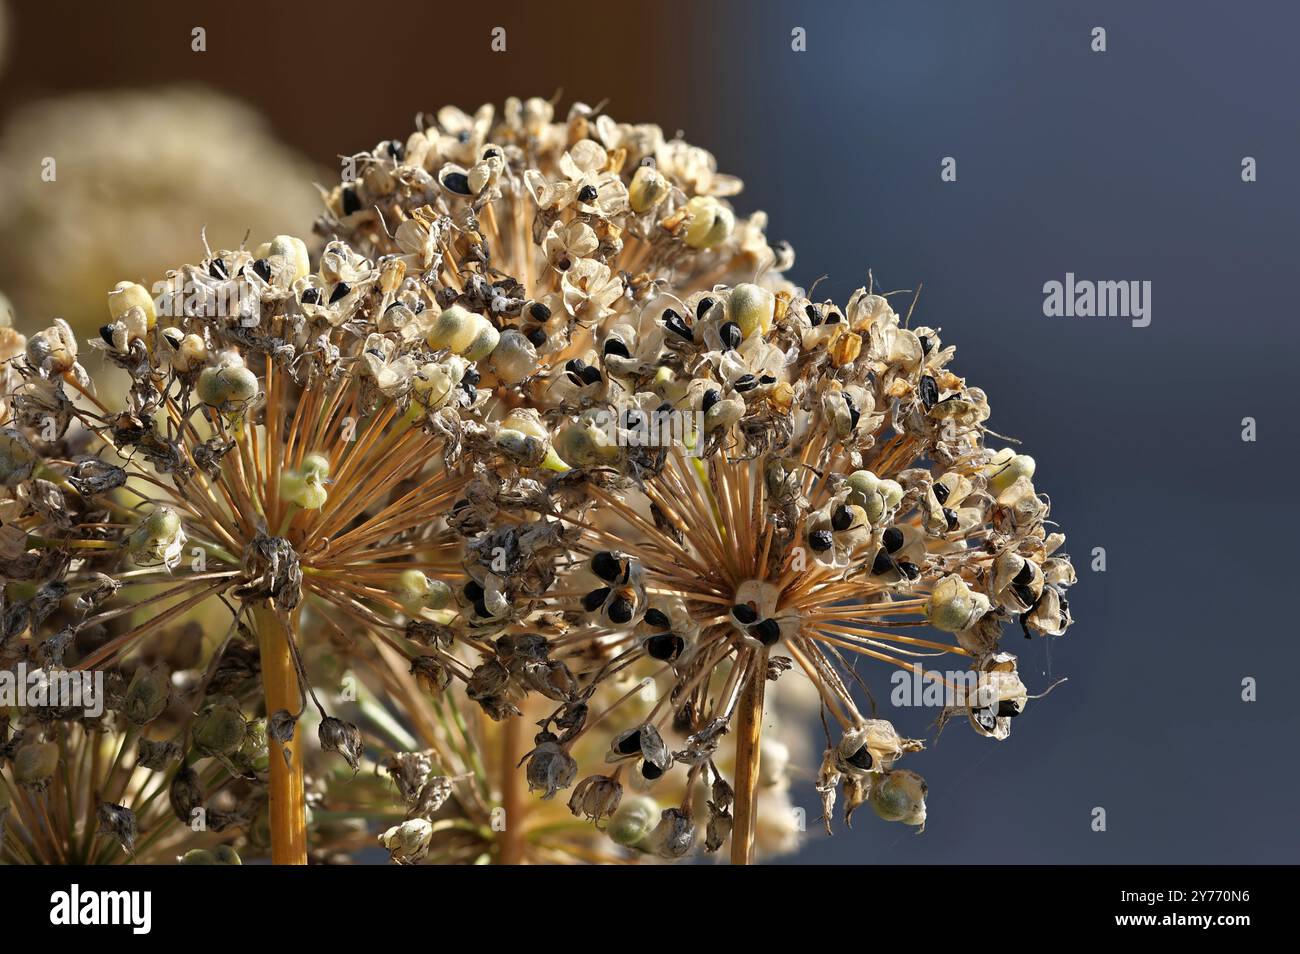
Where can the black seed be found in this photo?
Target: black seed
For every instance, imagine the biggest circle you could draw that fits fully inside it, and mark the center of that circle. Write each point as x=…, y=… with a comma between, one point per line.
x=590, y=374
x=564, y=264
x=217, y=269
x=620, y=611
x=1008, y=709
x=262, y=268
x=833, y=318
x=470, y=391
x=909, y=570
x=311, y=296
x=615, y=347
x=854, y=414
x=418, y=306
x=106, y=332
x=537, y=336
x=651, y=771
x=702, y=308
x=841, y=519
x=1025, y=593
x=174, y=336
x=744, y=613
x=929, y=392
x=814, y=313
x=766, y=632
x=456, y=182
x=480, y=609
x=575, y=367
x=731, y=336
x=820, y=540
x=629, y=746
x=473, y=590
x=340, y=290
x=633, y=420
x=539, y=311
x=925, y=344
x=587, y=193
x=941, y=493
x=673, y=322
x=491, y=153
x=471, y=377
x=395, y=149
x=861, y=759
x=606, y=565
x=985, y=717
x=459, y=505
x=950, y=516
x=1025, y=576
x=665, y=646
x=883, y=563
x=657, y=618
x=892, y=538
x=744, y=383
x=351, y=201
x=595, y=599
x=767, y=379
x=711, y=397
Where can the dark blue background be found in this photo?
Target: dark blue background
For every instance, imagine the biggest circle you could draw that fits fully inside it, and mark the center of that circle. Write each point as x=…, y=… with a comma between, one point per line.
x=1117, y=165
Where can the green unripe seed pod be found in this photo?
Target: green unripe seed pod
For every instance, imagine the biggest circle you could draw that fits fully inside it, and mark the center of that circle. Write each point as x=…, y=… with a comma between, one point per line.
x=636, y=817
x=751, y=307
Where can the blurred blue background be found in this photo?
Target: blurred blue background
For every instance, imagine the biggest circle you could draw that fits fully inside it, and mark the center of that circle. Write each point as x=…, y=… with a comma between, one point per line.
x=1122, y=165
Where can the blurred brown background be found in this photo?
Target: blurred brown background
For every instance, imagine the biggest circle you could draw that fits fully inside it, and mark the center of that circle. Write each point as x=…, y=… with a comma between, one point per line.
x=336, y=76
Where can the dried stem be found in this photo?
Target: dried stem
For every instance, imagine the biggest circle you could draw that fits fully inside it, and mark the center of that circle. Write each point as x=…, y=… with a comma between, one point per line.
x=512, y=837
x=749, y=732
x=288, y=799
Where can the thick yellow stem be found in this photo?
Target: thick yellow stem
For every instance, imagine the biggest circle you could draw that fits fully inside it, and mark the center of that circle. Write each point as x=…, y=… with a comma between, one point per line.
x=749, y=733
x=288, y=799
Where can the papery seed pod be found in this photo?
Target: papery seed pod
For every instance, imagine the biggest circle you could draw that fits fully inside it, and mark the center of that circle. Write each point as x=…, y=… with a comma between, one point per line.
x=185, y=794
x=117, y=822
x=633, y=821
x=711, y=222
x=408, y=843
x=159, y=539
x=899, y=796
x=550, y=768
x=17, y=457
x=341, y=737
x=674, y=836
x=954, y=606
x=219, y=729
x=34, y=765
x=148, y=695
x=596, y=797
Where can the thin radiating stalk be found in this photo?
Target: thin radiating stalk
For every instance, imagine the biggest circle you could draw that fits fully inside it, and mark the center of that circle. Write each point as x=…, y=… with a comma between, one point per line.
x=288, y=798
x=749, y=732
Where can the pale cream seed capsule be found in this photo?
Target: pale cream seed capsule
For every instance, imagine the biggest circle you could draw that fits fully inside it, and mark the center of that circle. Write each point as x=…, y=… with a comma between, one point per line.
x=514, y=358
x=648, y=189
x=751, y=307
x=129, y=295
x=711, y=222
x=294, y=252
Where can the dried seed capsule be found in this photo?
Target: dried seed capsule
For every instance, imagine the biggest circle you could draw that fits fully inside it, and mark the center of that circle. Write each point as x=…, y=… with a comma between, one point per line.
x=17, y=457
x=147, y=695
x=751, y=307
x=634, y=819
x=596, y=797
x=228, y=383
x=711, y=222
x=1006, y=468
x=647, y=189
x=128, y=295
x=294, y=252
x=158, y=539
x=954, y=606
x=219, y=729
x=899, y=796
x=35, y=763
x=665, y=646
x=408, y=842
x=515, y=356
